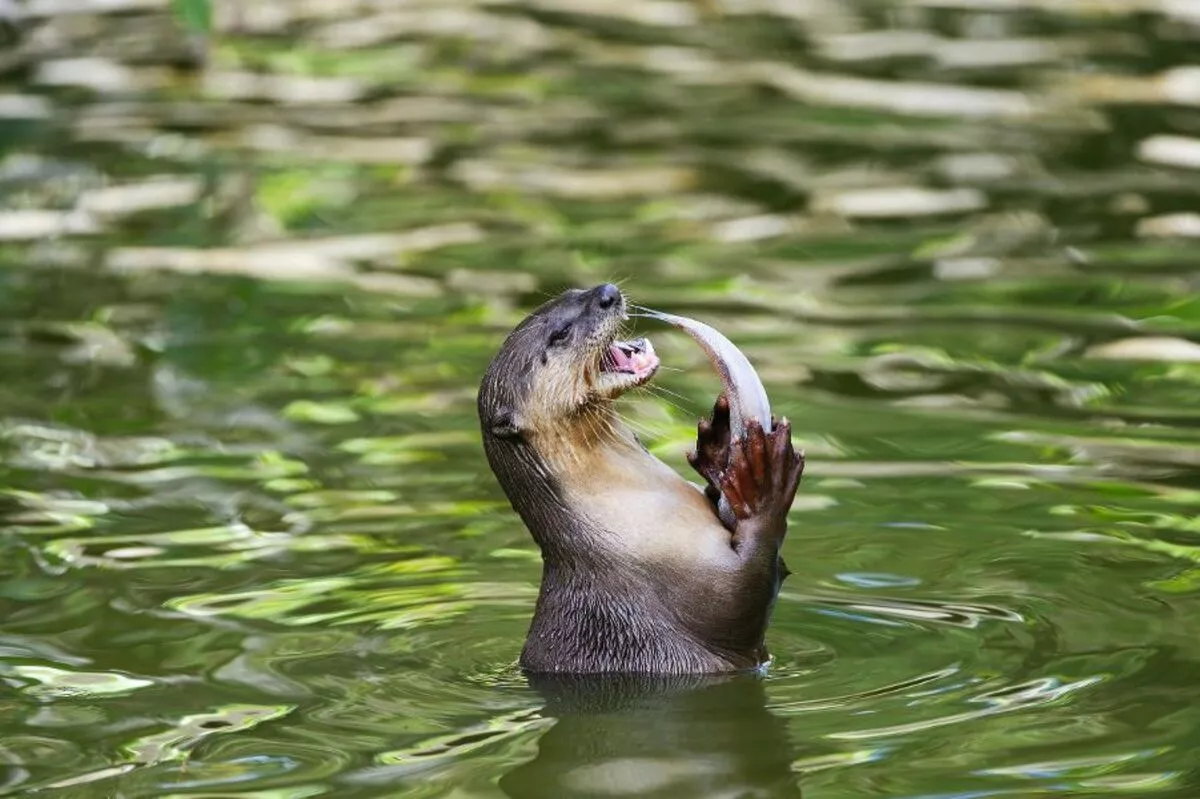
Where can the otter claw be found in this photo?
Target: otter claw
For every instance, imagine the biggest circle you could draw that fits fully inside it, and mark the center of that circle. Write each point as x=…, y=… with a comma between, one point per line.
x=711, y=456
x=764, y=473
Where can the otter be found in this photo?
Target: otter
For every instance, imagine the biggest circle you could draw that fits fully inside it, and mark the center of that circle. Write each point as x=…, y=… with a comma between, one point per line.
x=639, y=573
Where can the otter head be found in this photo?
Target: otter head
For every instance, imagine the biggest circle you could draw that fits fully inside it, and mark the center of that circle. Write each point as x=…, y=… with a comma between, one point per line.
x=562, y=362
x=546, y=403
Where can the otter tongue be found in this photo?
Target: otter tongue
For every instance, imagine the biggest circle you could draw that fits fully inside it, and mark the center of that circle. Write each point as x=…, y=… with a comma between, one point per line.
x=631, y=356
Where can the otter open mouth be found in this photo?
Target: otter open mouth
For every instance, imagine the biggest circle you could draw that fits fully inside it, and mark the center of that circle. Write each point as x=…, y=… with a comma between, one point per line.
x=625, y=364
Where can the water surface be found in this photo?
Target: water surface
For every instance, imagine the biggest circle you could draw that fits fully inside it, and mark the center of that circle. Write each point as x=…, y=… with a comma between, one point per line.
x=249, y=545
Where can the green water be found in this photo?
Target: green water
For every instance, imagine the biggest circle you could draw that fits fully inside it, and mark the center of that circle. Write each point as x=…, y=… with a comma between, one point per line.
x=249, y=545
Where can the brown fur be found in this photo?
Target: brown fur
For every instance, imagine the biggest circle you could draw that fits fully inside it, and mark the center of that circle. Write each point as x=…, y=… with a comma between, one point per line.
x=639, y=574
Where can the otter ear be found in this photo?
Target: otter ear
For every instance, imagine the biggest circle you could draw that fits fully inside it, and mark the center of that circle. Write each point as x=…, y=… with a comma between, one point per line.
x=505, y=425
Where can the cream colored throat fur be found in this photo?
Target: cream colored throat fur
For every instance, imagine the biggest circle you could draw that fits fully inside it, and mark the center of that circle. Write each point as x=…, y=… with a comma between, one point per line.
x=645, y=508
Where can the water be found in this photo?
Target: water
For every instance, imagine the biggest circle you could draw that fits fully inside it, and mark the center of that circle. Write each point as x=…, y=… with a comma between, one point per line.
x=249, y=545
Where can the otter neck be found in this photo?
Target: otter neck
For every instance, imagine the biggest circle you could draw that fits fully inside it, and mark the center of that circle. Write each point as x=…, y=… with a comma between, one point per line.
x=532, y=470
x=585, y=443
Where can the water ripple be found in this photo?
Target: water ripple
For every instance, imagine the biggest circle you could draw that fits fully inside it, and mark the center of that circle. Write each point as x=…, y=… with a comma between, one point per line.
x=249, y=544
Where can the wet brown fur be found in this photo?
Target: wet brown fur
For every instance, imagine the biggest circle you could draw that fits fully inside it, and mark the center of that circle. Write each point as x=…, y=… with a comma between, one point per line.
x=639, y=574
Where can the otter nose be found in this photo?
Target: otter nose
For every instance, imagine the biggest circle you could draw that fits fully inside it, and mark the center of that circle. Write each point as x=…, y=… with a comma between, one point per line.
x=607, y=295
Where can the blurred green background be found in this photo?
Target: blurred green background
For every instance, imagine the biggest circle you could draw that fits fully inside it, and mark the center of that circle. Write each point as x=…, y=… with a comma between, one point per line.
x=254, y=259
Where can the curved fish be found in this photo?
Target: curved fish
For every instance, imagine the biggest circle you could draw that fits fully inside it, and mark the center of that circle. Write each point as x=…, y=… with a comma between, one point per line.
x=747, y=396
x=745, y=391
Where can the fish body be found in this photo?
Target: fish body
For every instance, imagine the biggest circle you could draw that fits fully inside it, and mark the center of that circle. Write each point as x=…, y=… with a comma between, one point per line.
x=744, y=389
x=746, y=393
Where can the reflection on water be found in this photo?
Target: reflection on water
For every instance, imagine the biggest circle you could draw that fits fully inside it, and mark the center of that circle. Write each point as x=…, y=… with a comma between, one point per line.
x=248, y=541
x=637, y=737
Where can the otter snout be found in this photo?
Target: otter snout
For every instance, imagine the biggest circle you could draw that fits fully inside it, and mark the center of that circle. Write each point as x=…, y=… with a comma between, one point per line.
x=608, y=296
x=602, y=302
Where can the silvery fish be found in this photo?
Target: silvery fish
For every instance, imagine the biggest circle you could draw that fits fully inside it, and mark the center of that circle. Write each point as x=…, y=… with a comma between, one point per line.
x=745, y=391
x=747, y=396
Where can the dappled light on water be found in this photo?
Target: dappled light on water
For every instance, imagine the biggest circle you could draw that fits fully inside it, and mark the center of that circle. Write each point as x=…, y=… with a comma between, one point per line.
x=250, y=279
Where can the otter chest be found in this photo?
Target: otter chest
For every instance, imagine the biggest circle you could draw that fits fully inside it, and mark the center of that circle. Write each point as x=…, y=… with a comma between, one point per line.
x=648, y=510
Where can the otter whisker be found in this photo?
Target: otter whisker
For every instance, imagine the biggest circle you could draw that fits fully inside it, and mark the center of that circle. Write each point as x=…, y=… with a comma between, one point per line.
x=640, y=427
x=589, y=419
x=665, y=390
x=641, y=311
x=645, y=434
x=628, y=403
x=600, y=425
x=656, y=390
x=606, y=430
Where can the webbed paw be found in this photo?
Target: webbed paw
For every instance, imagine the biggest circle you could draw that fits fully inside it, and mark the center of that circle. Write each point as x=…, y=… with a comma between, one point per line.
x=763, y=473
x=711, y=456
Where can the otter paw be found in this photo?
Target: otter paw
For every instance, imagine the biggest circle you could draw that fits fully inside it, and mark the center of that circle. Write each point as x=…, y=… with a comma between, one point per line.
x=763, y=474
x=711, y=456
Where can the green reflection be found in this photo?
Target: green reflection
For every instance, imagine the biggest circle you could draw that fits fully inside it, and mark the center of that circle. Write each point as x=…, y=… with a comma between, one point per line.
x=255, y=257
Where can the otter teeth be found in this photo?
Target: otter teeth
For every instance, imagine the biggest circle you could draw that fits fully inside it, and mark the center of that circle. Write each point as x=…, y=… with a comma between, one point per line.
x=643, y=358
x=636, y=358
x=631, y=357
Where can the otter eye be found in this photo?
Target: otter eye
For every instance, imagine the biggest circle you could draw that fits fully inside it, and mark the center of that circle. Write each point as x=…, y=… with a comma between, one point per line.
x=559, y=334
